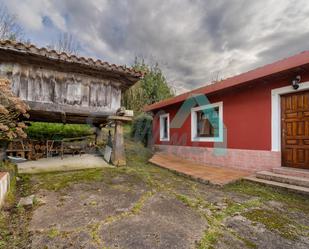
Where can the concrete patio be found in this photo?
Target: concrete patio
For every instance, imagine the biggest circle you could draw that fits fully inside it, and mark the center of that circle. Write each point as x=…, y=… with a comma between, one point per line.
x=68, y=163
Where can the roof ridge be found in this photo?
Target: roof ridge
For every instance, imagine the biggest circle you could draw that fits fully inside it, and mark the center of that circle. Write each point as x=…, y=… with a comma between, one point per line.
x=52, y=54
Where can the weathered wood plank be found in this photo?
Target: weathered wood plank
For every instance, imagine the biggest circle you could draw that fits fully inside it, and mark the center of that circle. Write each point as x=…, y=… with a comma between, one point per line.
x=48, y=90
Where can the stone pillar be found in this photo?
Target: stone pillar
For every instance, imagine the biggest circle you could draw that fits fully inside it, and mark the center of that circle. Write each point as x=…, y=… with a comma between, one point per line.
x=118, y=155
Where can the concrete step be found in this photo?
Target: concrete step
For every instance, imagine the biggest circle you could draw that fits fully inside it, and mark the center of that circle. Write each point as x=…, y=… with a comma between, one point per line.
x=285, y=186
x=293, y=180
x=292, y=172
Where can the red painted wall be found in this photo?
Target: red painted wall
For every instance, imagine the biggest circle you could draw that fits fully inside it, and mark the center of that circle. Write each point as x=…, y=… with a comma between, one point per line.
x=246, y=115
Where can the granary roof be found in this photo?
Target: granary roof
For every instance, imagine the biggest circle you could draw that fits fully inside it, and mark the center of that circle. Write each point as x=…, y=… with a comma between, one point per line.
x=288, y=66
x=52, y=55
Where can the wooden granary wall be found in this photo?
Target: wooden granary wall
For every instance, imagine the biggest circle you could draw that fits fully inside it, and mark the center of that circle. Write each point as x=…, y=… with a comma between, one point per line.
x=63, y=88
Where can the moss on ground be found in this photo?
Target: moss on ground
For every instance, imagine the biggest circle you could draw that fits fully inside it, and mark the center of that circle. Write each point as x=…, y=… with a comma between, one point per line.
x=265, y=193
x=277, y=222
x=216, y=217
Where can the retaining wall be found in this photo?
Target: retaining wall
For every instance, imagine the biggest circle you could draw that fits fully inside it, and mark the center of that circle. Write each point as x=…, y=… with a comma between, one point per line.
x=4, y=186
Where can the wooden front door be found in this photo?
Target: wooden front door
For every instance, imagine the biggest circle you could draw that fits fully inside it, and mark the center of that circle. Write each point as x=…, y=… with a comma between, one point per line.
x=295, y=130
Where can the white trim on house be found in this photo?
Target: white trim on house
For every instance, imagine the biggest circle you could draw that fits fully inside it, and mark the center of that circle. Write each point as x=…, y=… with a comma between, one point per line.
x=276, y=112
x=162, y=138
x=194, y=137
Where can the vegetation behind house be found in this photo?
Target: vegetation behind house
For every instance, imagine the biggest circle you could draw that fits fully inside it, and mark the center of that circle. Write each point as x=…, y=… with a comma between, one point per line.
x=152, y=88
x=142, y=129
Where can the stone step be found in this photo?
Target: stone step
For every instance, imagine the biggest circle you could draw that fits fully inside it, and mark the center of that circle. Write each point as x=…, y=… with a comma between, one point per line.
x=292, y=172
x=293, y=180
x=285, y=186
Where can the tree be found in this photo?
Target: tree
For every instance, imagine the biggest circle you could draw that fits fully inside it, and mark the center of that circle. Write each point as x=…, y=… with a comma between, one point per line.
x=9, y=28
x=11, y=108
x=67, y=43
x=152, y=88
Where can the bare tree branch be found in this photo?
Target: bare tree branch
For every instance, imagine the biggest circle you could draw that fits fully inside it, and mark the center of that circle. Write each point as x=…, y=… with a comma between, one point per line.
x=66, y=43
x=9, y=28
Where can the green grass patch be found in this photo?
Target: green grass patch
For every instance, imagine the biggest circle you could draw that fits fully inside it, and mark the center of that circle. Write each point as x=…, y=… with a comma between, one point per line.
x=25, y=185
x=234, y=207
x=210, y=238
x=53, y=233
x=13, y=227
x=248, y=243
x=60, y=180
x=135, y=210
x=4, y=231
x=278, y=222
x=141, y=202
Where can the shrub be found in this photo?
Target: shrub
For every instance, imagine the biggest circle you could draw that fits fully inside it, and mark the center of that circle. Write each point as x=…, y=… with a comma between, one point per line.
x=10, y=168
x=55, y=131
x=11, y=109
x=142, y=129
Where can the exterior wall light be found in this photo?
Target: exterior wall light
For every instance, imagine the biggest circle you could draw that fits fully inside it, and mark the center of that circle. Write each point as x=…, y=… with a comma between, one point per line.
x=295, y=82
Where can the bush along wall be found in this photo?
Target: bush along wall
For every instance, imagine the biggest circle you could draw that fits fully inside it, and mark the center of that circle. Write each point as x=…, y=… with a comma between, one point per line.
x=142, y=129
x=55, y=131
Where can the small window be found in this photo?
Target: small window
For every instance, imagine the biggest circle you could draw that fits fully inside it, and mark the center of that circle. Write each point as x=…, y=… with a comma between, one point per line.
x=164, y=127
x=207, y=123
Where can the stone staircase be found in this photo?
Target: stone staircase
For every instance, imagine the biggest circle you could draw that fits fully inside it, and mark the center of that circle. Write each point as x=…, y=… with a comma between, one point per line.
x=294, y=180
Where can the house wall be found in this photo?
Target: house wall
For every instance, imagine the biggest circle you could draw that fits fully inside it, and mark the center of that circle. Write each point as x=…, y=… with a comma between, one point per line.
x=247, y=120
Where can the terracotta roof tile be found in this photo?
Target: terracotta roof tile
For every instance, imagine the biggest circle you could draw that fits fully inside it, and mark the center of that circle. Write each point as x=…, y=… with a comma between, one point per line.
x=52, y=54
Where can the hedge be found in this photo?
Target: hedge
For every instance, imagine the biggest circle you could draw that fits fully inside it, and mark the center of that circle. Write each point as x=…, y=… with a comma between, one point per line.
x=142, y=129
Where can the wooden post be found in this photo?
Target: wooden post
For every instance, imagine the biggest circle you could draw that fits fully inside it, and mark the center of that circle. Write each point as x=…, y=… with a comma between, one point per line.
x=118, y=155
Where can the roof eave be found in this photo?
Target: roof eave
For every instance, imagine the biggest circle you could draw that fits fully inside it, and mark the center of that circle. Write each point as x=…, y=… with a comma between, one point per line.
x=244, y=78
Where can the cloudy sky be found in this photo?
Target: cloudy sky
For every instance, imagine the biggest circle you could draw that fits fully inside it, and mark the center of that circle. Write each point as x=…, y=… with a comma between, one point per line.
x=194, y=41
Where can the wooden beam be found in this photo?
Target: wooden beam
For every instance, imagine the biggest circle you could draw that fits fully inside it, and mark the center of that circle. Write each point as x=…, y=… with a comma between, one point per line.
x=85, y=111
x=57, y=117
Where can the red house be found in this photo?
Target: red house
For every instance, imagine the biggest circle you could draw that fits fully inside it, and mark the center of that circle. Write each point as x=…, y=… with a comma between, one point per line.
x=258, y=120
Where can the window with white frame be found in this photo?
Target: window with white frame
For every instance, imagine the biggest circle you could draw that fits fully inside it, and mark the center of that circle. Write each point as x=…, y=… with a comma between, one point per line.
x=164, y=127
x=207, y=123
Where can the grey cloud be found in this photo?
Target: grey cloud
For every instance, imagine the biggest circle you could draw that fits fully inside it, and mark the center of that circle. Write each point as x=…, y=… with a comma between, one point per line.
x=193, y=40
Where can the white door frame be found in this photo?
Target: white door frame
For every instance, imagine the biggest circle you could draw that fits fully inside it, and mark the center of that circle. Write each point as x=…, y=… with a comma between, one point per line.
x=276, y=112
